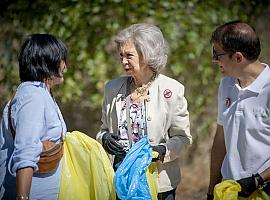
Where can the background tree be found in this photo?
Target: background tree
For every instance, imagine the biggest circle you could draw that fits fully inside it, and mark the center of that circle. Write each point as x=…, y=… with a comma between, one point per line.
x=89, y=27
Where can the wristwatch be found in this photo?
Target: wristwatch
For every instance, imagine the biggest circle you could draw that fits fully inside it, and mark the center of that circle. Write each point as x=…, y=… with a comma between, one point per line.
x=259, y=179
x=21, y=197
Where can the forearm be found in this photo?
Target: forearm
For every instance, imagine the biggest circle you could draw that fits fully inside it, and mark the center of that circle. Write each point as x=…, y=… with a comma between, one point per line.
x=217, y=156
x=24, y=179
x=173, y=148
x=266, y=175
x=215, y=170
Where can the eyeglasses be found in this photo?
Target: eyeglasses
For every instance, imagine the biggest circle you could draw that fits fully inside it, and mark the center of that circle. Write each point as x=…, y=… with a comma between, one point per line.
x=215, y=55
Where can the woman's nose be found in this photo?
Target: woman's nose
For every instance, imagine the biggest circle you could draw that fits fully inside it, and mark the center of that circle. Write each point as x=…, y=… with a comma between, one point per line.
x=124, y=60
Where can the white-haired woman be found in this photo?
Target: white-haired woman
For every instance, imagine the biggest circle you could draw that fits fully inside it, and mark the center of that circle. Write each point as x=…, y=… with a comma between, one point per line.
x=156, y=105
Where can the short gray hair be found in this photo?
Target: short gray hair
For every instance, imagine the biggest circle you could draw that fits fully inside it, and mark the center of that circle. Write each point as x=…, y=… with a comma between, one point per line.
x=149, y=41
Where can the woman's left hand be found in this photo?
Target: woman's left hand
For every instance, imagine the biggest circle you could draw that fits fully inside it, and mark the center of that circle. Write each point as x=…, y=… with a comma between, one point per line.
x=161, y=152
x=111, y=144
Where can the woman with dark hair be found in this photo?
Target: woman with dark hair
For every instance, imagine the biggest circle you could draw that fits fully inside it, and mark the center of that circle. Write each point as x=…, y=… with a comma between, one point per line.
x=35, y=117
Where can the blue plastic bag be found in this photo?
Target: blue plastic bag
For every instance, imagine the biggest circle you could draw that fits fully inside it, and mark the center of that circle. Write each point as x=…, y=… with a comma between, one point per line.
x=130, y=178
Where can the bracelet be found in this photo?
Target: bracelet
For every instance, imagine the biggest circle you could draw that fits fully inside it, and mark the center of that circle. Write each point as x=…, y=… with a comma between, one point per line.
x=259, y=179
x=21, y=197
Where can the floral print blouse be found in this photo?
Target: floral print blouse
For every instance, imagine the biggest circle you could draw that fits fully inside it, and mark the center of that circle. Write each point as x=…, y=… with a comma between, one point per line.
x=137, y=122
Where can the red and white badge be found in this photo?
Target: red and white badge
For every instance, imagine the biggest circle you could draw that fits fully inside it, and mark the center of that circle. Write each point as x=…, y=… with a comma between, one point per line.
x=167, y=93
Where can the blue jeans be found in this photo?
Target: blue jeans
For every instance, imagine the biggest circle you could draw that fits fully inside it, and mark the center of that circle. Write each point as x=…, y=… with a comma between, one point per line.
x=169, y=195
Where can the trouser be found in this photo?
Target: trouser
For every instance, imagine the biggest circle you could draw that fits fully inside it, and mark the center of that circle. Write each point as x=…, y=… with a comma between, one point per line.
x=169, y=195
x=266, y=188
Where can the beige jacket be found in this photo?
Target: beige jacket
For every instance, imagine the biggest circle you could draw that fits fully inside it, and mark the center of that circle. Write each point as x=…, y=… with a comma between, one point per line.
x=167, y=121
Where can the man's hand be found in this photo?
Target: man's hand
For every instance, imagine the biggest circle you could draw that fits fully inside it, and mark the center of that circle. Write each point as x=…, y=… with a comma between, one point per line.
x=161, y=152
x=248, y=186
x=111, y=144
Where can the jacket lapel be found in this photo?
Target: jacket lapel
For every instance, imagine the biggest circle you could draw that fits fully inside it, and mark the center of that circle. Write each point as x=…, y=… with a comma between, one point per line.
x=117, y=105
x=152, y=106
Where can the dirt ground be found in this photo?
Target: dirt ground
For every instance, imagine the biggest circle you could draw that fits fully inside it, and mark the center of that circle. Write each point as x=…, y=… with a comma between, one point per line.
x=195, y=177
x=194, y=182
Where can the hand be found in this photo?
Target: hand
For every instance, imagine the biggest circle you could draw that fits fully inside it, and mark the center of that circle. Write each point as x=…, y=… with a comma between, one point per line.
x=248, y=185
x=210, y=196
x=161, y=152
x=111, y=144
x=118, y=159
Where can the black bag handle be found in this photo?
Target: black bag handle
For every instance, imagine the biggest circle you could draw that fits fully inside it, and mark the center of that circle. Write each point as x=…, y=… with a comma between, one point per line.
x=13, y=132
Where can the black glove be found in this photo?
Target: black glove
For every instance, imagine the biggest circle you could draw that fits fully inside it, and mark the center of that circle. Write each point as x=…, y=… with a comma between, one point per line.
x=248, y=185
x=118, y=159
x=161, y=152
x=210, y=196
x=111, y=144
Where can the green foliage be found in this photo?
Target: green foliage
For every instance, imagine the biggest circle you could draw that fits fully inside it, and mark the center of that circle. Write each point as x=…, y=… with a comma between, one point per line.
x=89, y=27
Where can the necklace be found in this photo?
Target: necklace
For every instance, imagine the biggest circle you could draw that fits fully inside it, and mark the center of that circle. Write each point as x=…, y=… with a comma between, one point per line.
x=142, y=90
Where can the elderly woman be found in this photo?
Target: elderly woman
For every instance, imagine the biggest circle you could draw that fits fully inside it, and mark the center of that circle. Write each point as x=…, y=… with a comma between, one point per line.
x=32, y=116
x=155, y=104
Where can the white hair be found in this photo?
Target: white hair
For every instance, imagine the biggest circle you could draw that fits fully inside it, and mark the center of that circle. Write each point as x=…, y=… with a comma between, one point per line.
x=149, y=41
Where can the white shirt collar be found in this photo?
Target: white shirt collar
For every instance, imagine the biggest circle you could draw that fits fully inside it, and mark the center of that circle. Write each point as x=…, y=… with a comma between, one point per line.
x=257, y=85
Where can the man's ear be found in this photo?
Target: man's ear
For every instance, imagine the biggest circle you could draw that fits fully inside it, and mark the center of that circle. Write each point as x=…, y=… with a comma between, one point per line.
x=239, y=57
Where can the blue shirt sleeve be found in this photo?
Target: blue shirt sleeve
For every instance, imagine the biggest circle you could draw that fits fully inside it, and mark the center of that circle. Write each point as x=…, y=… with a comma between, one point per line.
x=28, y=113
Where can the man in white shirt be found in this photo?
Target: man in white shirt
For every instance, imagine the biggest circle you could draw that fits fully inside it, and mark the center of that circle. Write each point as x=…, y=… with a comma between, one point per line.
x=241, y=147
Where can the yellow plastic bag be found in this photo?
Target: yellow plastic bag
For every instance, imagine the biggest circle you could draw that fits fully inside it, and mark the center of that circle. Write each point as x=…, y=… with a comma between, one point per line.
x=87, y=173
x=152, y=179
x=228, y=190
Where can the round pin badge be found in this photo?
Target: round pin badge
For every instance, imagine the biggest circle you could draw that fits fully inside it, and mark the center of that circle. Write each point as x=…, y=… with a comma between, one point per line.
x=167, y=93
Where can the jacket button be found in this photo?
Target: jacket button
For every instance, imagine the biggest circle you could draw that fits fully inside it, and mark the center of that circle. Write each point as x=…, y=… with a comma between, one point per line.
x=149, y=118
x=151, y=139
x=147, y=98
